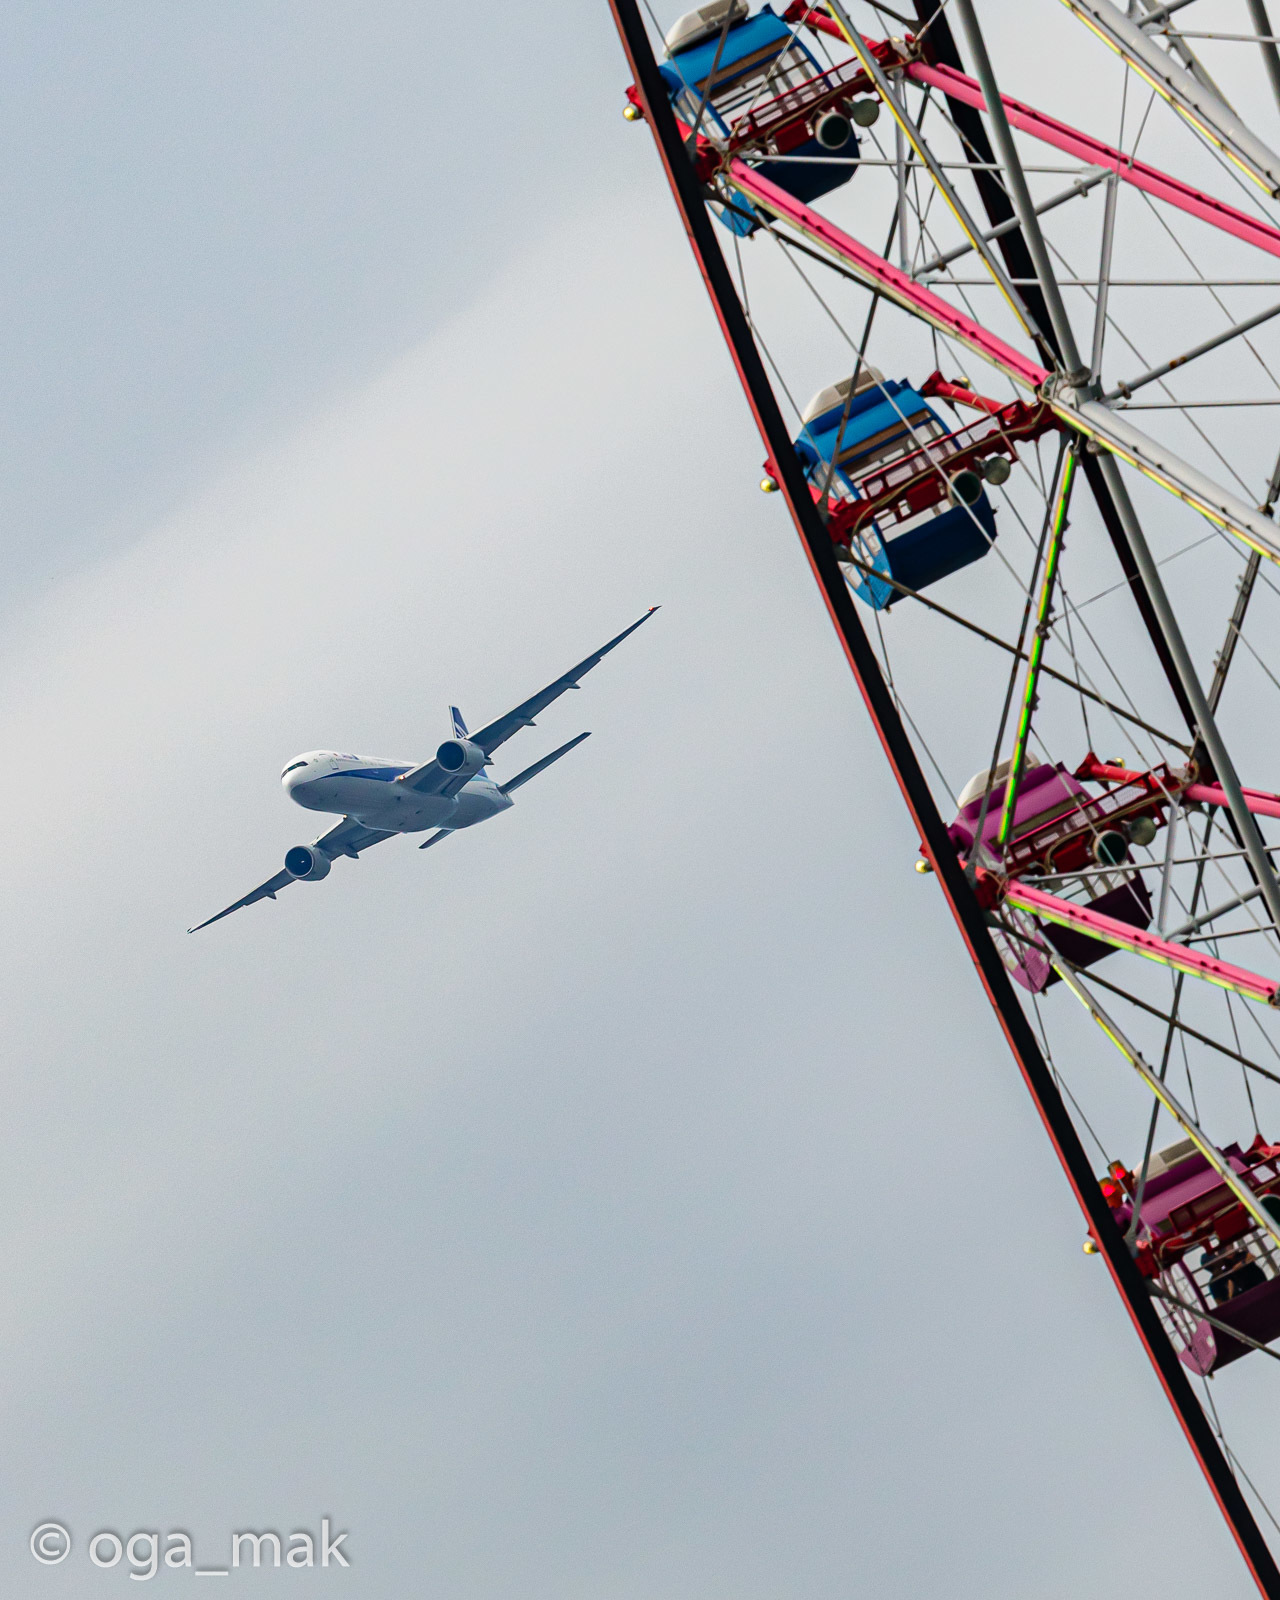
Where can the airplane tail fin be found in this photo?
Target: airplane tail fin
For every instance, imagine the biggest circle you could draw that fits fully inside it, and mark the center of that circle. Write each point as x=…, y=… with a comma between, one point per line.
x=541, y=766
x=459, y=726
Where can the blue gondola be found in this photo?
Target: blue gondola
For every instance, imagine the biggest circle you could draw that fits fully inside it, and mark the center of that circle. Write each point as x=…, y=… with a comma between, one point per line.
x=760, y=58
x=875, y=431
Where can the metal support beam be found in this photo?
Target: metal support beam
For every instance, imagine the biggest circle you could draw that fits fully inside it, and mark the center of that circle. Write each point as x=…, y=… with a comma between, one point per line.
x=944, y=68
x=1113, y=430
x=1222, y=661
x=1205, y=917
x=1179, y=47
x=1016, y=183
x=1152, y=18
x=1131, y=384
x=1082, y=185
x=1104, y=280
x=1270, y=55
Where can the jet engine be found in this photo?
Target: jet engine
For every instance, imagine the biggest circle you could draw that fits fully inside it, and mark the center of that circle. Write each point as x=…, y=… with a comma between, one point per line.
x=304, y=861
x=462, y=757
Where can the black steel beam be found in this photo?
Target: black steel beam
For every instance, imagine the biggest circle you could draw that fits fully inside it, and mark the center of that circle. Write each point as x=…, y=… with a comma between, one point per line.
x=968, y=914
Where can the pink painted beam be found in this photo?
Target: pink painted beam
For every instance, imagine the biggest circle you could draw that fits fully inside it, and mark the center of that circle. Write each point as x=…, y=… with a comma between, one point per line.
x=1259, y=801
x=1194, y=963
x=1086, y=148
x=879, y=273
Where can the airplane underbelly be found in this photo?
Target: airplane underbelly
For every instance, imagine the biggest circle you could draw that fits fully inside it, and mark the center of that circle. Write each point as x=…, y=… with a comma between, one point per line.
x=398, y=808
x=477, y=806
x=375, y=803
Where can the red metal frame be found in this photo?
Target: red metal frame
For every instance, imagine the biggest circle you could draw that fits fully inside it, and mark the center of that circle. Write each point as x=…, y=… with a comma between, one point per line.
x=1260, y=801
x=969, y=916
x=1062, y=845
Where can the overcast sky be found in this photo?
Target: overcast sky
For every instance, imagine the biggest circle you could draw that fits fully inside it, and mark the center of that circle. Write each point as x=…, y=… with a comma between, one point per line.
x=632, y=1200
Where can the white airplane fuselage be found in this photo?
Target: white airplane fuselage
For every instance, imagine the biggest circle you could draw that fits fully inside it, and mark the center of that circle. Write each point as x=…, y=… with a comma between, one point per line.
x=366, y=788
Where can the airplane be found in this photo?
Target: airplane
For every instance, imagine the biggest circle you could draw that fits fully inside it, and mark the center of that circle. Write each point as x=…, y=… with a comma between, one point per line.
x=379, y=799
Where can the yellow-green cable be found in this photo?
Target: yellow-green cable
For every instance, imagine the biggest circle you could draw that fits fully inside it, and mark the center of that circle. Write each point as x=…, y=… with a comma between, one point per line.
x=1036, y=653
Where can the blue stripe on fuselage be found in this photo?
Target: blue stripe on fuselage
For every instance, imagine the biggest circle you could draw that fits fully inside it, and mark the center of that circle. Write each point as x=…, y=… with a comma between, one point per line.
x=380, y=774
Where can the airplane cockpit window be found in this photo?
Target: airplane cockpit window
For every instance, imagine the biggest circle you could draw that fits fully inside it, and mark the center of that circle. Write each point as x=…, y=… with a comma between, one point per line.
x=292, y=767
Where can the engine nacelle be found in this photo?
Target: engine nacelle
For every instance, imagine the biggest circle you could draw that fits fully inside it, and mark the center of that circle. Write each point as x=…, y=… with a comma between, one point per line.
x=461, y=757
x=307, y=863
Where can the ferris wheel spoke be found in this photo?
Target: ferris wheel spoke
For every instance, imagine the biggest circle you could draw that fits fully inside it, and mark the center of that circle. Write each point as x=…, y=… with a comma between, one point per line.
x=1104, y=279
x=1165, y=1095
x=1128, y=386
x=1184, y=1028
x=1165, y=468
x=1055, y=527
x=1244, y=593
x=924, y=154
x=1161, y=12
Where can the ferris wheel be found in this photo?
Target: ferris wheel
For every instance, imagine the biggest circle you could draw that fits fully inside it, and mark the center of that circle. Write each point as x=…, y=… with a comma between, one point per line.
x=1016, y=382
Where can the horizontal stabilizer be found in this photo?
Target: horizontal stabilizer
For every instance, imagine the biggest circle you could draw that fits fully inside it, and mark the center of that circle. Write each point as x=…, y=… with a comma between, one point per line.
x=541, y=766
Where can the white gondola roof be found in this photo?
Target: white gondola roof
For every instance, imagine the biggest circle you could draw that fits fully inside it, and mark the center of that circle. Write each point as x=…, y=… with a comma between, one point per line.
x=835, y=394
x=697, y=25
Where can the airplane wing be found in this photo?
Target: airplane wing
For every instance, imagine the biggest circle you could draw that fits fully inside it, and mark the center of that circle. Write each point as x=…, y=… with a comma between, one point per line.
x=431, y=778
x=348, y=838
x=496, y=733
